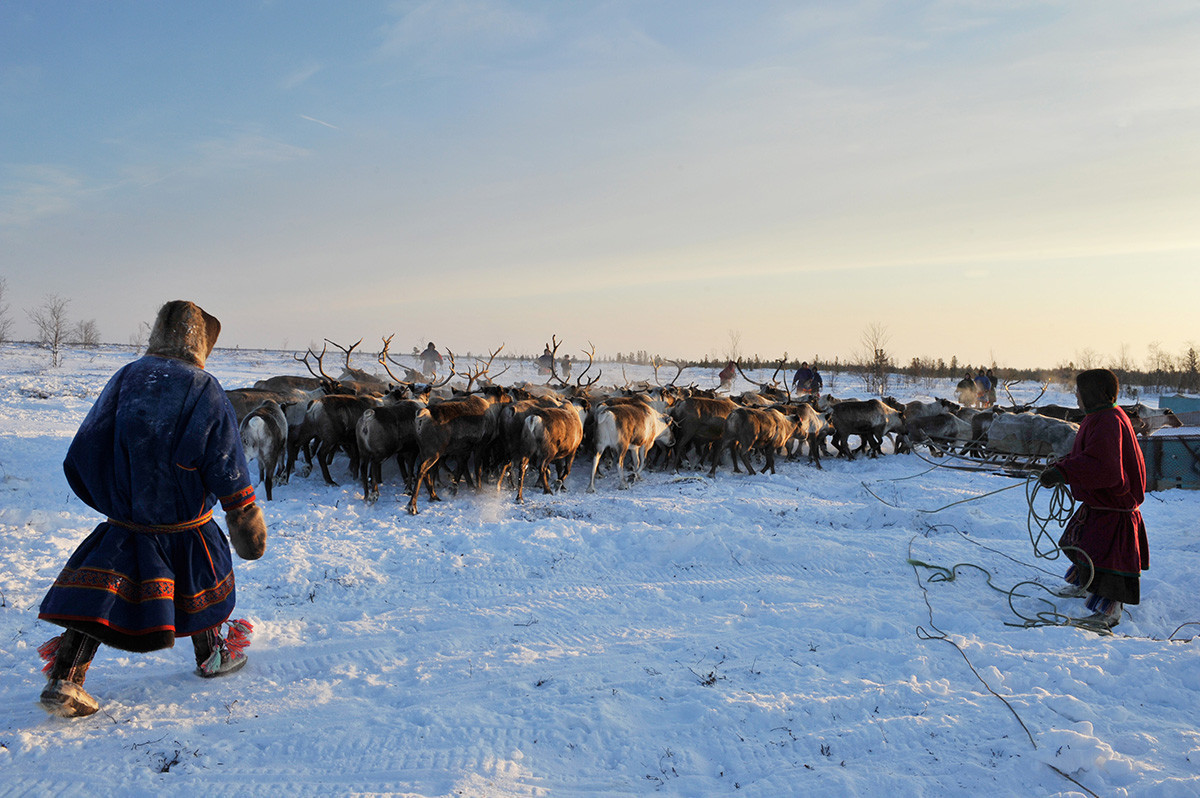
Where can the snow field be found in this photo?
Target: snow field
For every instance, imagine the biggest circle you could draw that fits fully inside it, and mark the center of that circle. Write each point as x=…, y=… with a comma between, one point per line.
x=759, y=635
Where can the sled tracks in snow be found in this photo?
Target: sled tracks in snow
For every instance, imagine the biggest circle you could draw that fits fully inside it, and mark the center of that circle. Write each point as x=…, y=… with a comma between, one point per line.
x=504, y=682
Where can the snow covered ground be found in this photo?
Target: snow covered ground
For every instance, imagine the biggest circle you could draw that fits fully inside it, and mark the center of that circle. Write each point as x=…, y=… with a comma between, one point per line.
x=744, y=635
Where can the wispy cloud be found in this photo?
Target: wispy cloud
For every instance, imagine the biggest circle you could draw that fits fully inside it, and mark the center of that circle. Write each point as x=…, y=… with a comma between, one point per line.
x=242, y=149
x=455, y=31
x=300, y=76
x=31, y=192
x=319, y=121
x=36, y=191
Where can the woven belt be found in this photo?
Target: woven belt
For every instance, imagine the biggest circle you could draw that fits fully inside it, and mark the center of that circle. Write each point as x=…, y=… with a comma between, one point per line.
x=195, y=523
x=1111, y=509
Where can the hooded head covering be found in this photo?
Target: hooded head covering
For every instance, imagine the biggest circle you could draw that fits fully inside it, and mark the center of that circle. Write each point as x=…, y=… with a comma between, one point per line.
x=1097, y=389
x=185, y=332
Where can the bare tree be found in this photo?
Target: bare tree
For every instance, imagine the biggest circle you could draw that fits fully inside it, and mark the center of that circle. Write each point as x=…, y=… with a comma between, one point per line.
x=1159, y=363
x=734, y=350
x=874, y=358
x=138, y=338
x=50, y=319
x=86, y=333
x=5, y=322
x=1123, y=362
x=1088, y=359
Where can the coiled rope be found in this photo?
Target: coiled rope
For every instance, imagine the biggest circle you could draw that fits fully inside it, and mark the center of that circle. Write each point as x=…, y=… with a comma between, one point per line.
x=1058, y=512
x=1060, y=508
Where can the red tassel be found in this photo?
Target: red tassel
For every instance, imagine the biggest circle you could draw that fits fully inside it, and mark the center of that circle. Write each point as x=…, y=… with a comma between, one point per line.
x=48, y=651
x=238, y=636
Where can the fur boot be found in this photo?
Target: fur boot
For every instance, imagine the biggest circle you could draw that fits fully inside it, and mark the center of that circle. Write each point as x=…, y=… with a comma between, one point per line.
x=217, y=655
x=67, y=659
x=1107, y=612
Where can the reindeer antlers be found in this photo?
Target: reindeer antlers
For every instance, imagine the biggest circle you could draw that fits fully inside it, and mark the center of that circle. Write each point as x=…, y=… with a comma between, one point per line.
x=384, y=357
x=474, y=374
x=763, y=385
x=449, y=376
x=1033, y=401
x=591, y=353
x=320, y=364
x=658, y=363
x=562, y=381
x=347, y=351
x=554, y=360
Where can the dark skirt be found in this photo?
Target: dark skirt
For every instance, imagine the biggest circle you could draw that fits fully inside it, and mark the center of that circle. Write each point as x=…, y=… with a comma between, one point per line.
x=139, y=590
x=1096, y=548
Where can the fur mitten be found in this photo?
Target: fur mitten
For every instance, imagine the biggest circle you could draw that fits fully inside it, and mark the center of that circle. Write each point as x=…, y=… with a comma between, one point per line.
x=247, y=531
x=1052, y=476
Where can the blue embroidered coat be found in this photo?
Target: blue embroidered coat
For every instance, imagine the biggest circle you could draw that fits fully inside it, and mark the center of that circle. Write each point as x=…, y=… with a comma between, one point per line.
x=154, y=454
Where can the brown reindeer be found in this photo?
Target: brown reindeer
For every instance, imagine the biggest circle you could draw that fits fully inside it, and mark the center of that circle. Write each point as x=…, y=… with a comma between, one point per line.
x=246, y=399
x=633, y=428
x=345, y=384
x=699, y=422
x=510, y=426
x=750, y=429
x=457, y=429
x=549, y=435
x=288, y=382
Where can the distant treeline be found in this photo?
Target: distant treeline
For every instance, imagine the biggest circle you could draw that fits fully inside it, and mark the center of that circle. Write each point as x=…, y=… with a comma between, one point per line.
x=1168, y=374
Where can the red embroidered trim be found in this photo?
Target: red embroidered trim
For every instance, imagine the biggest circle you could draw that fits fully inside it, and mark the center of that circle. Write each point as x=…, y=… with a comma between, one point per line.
x=150, y=590
x=207, y=598
x=242, y=498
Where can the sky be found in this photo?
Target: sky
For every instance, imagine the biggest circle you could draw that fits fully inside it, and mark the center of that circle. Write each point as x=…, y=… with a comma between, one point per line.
x=1003, y=182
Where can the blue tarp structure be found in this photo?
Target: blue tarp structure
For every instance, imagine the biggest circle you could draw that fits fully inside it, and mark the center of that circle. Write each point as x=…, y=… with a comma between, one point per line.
x=1173, y=454
x=1180, y=403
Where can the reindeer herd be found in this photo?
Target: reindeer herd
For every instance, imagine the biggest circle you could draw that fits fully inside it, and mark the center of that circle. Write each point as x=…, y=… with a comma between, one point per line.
x=484, y=432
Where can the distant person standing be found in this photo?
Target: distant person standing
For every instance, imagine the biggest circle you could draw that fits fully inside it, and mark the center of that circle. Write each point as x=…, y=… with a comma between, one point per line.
x=802, y=381
x=1106, y=537
x=965, y=390
x=983, y=386
x=430, y=359
x=566, y=367
x=726, y=376
x=545, y=360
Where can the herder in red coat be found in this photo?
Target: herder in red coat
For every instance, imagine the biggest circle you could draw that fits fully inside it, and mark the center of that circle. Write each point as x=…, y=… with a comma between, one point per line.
x=1106, y=537
x=726, y=376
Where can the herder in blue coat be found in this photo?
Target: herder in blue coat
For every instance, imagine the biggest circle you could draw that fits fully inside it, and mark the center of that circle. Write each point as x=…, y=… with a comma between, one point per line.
x=802, y=382
x=158, y=449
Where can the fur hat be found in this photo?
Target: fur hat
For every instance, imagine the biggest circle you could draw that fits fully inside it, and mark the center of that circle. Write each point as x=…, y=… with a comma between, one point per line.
x=1098, y=389
x=185, y=332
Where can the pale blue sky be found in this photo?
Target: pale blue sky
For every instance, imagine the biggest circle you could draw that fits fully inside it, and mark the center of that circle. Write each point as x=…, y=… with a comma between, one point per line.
x=1017, y=181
